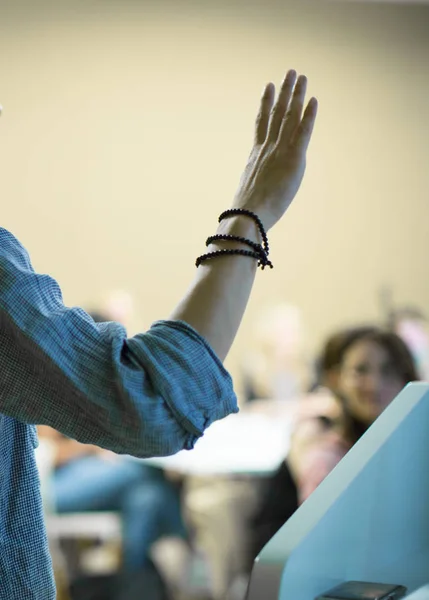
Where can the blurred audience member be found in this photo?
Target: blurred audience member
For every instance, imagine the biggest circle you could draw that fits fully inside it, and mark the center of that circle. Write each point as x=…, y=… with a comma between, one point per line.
x=374, y=367
x=87, y=478
x=371, y=366
x=276, y=367
x=327, y=364
x=119, y=306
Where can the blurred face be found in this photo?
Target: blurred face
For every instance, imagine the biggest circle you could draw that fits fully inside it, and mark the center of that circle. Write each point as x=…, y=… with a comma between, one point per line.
x=368, y=380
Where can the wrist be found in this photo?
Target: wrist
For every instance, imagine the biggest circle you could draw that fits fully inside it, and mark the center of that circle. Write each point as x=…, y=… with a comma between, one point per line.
x=256, y=206
x=241, y=226
x=240, y=232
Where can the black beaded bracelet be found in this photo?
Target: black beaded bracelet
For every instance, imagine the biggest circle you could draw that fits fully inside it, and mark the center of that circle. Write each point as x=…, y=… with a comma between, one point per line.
x=231, y=212
x=226, y=252
x=257, y=248
x=259, y=251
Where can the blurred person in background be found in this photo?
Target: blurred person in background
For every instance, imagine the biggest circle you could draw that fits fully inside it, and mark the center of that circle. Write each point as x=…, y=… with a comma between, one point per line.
x=118, y=304
x=374, y=366
x=89, y=478
x=276, y=366
x=326, y=368
x=367, y=369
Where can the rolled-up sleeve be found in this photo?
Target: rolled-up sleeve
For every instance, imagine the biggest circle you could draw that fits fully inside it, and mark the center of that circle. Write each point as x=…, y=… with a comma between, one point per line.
x=150, y=395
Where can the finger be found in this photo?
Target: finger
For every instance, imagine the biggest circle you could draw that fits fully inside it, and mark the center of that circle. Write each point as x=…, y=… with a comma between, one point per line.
x=292, y=118
x=281, y=105
x=263, y=117
x=305, y=129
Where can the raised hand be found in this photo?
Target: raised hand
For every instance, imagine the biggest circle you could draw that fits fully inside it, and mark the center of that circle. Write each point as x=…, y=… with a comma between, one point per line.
x=277, y=161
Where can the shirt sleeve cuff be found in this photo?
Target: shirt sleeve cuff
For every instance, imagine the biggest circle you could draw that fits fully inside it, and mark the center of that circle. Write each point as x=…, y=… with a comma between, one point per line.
x=186, y=372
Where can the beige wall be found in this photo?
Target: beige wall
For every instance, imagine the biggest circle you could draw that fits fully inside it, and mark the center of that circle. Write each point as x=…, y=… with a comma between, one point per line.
x=126, y=125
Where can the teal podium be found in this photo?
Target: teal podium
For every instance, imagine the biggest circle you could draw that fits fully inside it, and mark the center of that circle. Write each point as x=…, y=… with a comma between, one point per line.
x=367, y=521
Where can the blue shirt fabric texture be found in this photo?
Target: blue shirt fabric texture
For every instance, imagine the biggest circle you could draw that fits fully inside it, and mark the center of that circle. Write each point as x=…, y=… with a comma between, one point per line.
x=153, y=394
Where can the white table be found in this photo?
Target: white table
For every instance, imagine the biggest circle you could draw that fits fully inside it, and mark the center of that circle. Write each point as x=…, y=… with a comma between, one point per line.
x=252, y=442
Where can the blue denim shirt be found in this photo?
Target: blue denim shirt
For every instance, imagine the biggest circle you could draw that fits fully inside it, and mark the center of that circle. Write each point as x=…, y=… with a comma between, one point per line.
x=150, y=395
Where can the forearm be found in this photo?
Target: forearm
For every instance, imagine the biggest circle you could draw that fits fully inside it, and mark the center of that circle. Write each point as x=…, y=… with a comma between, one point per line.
x=215, y=303
x=216, y=300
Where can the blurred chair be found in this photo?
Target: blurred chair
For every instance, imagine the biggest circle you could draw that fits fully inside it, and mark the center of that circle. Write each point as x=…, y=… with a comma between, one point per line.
x=69, y=535
x=66, y=532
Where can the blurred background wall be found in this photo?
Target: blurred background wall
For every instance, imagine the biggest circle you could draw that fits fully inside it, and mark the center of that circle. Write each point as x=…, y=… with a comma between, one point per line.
x=127, y=123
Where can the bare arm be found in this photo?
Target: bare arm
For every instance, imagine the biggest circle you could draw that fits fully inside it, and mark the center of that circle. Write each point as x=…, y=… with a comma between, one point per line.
x=155, y=393
x=217, y=298
x=215, y=303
